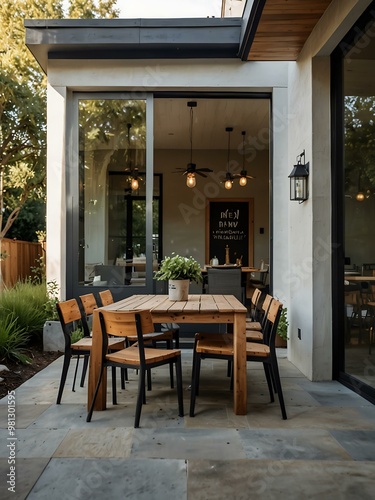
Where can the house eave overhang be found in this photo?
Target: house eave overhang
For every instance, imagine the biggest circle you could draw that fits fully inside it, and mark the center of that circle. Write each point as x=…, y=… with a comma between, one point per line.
x=132, y=38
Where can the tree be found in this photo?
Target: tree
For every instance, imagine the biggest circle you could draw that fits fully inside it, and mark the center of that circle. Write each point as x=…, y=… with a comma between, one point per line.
x=23, y=101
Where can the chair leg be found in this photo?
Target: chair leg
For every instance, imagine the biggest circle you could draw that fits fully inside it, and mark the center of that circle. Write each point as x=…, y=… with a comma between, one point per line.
x=269, y=378
x=179, y=387
x=194, y=382
x=75, y=374
x=141, y=390
x=64, y=373
x=84, y=369
x=114, y=389
x=149, y=381
x=276, y=375
x=91, y=409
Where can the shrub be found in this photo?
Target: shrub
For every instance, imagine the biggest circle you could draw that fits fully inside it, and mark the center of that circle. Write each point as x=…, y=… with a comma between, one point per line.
x=13, y=339
x=26, y=302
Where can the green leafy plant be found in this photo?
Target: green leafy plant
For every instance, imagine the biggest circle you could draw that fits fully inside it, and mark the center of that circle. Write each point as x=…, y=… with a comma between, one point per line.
x=13, y=339
x=76, y=335
x=52, y=300
x=282, y=328
x=25, y=301
x=177, y=267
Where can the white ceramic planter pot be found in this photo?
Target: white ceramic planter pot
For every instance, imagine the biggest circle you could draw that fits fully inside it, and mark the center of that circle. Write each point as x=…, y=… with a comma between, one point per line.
x=178, y=289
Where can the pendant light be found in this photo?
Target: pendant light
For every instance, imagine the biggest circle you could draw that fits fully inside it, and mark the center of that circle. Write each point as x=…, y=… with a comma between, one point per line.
x=228, y=183
x=133, y=171
x=243, y=174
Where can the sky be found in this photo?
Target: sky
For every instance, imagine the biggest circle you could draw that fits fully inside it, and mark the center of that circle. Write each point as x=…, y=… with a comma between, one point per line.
x=168, y=8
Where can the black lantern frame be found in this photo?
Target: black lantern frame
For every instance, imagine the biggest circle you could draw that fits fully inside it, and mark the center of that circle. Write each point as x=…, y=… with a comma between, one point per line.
x=299, y=180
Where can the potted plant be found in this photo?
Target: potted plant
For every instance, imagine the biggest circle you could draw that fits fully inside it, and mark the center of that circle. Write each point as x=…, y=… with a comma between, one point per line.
x=179, y=271
x=282, y=329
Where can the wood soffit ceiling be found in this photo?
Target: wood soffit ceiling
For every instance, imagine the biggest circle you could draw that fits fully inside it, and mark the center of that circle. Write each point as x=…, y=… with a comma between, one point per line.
x=284, y=27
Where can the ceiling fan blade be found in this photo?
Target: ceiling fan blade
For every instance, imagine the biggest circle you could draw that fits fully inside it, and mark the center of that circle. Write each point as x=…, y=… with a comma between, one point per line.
x=205, y=169
x=200, y=173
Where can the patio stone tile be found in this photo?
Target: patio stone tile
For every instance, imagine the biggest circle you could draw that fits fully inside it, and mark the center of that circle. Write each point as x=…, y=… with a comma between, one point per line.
x=41, y=443
x=111, y=478
x=276, y=479
x=26, y=414
x=89, y=443
x=28, y=471
x=208, y=416
x=291, y=444
x=309, y=417
x=359, y=444
x=187, y=444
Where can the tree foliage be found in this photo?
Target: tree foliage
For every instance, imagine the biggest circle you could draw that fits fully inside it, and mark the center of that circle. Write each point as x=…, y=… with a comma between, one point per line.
x=360, y=144
x=23, y=101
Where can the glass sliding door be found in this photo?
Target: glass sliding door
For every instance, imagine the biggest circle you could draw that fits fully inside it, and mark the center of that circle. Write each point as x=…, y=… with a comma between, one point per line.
x=354, y=209
x=112, y=193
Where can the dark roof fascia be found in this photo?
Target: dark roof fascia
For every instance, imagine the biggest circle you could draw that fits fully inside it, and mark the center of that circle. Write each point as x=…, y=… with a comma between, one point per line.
x=250, y=21
x=132, y=38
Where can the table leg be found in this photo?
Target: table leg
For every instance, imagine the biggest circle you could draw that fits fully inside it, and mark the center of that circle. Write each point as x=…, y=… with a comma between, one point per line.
x=239, y=364
x=95, y=363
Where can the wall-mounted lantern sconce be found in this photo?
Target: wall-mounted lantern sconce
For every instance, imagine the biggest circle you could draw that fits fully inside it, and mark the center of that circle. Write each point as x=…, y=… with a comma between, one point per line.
x=298, y=180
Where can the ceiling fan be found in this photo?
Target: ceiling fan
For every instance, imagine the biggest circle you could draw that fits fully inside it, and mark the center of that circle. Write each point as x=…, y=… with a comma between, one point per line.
x=191, y=168
x=243, y=174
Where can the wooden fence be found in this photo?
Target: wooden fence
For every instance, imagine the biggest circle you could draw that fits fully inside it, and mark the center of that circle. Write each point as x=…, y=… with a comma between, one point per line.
x=20, y=257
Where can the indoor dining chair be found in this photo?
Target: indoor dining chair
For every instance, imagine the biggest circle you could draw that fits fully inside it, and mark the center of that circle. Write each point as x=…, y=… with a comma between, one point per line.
x=225, y=282
x=137, y=356
x=71, y=318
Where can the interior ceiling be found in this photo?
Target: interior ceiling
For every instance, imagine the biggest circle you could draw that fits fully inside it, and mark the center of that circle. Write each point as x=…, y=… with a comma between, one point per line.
x=284, y=27
x=210, y=118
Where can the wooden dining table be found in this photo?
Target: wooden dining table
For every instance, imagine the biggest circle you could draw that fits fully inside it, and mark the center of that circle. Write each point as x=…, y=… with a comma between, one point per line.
x=199, y=308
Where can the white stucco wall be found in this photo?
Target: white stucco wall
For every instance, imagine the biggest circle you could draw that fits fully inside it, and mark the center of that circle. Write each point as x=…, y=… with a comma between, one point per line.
x=56, y=188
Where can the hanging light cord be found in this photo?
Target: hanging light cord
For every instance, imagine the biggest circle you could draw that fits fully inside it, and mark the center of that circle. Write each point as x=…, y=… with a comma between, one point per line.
x=228, y=150
x=191, y=135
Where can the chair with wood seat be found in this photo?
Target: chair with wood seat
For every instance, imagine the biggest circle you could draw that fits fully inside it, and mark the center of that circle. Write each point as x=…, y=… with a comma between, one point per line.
x=106, y=297
x=137, y=356
x=89, y=304
x=263, y=352
x=254, y=306
x=152, y=337
x=71, y=318
x=254, y=329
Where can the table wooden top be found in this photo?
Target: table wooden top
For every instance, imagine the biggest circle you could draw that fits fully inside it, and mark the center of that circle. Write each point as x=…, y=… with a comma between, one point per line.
x=196, y=305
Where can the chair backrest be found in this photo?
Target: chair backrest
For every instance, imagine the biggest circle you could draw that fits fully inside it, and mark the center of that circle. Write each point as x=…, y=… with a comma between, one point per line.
x=265, y=308
x=254, y=313
x=89, y=303
x=71, y=317
x=225, y=282
x=106, y=297
x=126, y=323
x=264, y=274
x=272, y=322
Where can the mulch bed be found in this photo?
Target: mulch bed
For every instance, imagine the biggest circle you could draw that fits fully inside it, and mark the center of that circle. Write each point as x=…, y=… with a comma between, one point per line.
x=19, y=373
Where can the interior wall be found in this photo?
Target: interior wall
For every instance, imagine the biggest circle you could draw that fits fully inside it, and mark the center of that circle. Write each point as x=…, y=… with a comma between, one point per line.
x=184, y=209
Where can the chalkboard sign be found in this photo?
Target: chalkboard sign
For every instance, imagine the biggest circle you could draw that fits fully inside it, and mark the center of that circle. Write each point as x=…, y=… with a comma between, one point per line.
x=229, y=231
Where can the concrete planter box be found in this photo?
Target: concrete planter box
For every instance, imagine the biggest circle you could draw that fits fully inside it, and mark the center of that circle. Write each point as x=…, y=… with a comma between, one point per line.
x=53, y=337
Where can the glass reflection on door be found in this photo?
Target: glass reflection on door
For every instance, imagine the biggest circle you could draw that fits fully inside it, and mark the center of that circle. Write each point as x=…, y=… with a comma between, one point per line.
x=359, y=211
x=112, y=174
